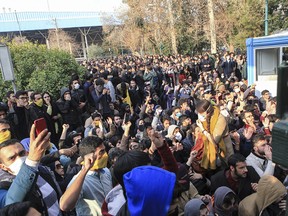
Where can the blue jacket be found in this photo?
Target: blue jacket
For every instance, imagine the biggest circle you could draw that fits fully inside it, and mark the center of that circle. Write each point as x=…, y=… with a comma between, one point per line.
x=24, y=187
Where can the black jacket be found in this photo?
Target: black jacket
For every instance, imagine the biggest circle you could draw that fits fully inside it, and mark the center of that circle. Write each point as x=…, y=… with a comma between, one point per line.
x=244, y=189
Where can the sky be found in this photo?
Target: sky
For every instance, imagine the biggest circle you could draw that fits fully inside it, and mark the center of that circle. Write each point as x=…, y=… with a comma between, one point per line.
x=60, y=5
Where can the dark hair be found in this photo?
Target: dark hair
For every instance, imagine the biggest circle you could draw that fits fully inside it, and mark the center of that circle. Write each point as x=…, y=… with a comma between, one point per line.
x=127, y=161
x=227, y=201
x=205, y=106
x=3, y=107
x=32, y=96
x=183, y=118
x=164, y=118
x=99, y=81
x=182, y=101
x=9, y=142
x=18, y=209
x=257, y=138
x=9, y=93
x=235, y=158
x=20, y=92
x=4, y=121
x=272, y=118
x=46, y=92
x=242, y=115
x=89, y=144
x=193, y=127
x=104, y=75
x=113, y=153
x=264, y=92
x=95, y=114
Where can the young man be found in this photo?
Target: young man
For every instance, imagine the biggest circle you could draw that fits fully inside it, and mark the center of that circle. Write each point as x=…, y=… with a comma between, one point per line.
x=261, y=156
x=87, y=190
x=247, y=131
x=5, y=130
x=32, y=182
x=239, y=177
x=21, y=116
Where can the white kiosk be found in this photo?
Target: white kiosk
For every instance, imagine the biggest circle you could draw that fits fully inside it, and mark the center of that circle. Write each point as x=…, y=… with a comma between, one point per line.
x=264, y=55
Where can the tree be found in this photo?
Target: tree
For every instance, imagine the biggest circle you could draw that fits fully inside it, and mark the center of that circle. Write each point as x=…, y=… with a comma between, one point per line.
x=212, y=26
x=40, y=69
x=59, y=39
x=277, y=15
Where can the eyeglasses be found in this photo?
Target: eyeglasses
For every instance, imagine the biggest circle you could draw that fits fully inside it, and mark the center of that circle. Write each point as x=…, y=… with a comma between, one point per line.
x=58, y=166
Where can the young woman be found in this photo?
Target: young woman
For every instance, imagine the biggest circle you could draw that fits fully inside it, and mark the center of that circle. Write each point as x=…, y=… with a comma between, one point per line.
x=216, y=139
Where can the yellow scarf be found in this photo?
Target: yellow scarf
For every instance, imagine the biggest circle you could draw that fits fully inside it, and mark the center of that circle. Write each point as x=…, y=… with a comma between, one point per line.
x=127, y=100
x=210, y=150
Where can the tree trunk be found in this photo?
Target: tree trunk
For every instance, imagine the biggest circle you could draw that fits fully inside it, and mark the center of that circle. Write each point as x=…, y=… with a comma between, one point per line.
x=172, y=28
x=212, y=26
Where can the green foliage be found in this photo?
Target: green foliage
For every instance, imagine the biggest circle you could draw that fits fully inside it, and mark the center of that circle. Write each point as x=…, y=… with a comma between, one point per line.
x=245, y=20
x=96, y=51
x=40, y=69
x=277, y=15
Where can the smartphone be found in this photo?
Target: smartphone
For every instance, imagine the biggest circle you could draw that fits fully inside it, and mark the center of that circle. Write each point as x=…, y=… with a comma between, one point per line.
x=126, y=118
x=40, y=125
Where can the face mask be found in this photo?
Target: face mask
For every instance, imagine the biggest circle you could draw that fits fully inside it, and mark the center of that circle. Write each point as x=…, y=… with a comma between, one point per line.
x=77, y=86
x=16, y=165
x=6, y=135
x=39, y=103
x=178, y=115
x=224, y=113
x=237, y=90
x=178, y=136
x=141, y=128
x=201, y=117
x=96, y=123
x=222, y=76
x=101, y=163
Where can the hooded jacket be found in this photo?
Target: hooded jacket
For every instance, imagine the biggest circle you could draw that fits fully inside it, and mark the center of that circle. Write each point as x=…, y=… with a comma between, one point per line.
x=68, y=109
x=192, y=208
x=269, y=190
x=149, y=190
x=219, y=196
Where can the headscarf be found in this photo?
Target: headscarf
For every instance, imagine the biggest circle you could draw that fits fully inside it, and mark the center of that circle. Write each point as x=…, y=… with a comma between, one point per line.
x=192, y=208
x=219, y=196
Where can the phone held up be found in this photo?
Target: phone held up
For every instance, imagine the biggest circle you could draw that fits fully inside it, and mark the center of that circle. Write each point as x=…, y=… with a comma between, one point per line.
x=40, y=125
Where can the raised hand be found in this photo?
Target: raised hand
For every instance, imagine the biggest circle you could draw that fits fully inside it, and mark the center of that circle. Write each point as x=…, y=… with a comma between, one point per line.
x=38, y=145
x=89, y=160
x=156, y=138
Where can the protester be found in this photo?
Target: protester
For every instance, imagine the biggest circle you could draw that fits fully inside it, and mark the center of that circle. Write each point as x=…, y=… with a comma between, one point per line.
x=270, y=199
x=143, y=110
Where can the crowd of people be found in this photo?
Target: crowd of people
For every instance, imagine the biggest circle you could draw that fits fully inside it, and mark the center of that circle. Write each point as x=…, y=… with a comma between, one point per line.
x=152, y=135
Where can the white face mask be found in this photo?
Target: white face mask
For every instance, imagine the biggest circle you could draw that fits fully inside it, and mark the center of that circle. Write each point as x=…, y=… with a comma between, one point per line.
x=201, y=117
x=224, y=113
x=16, y=165
x=77, y=86
x=178, y=136
x=237, y=90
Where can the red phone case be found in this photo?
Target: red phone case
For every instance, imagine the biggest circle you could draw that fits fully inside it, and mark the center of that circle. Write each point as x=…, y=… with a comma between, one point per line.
x=40, y=125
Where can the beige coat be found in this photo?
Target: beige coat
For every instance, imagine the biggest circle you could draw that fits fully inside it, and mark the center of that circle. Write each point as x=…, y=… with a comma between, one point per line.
x=269, y=190
x=222, y=131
